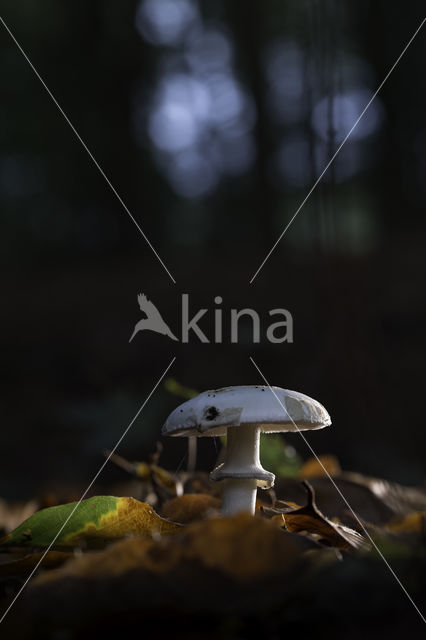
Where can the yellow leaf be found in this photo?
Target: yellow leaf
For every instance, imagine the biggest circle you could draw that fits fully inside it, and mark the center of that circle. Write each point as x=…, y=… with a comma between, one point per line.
x=91, y=523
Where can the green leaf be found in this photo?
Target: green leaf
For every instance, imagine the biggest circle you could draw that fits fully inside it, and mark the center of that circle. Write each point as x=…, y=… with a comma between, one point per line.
x=94, y=523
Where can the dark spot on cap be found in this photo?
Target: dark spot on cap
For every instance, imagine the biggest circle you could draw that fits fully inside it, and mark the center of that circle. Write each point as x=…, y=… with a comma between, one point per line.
x=211, y=413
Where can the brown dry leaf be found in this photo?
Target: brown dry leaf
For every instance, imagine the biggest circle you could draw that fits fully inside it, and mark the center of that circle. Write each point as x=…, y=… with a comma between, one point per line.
x=231, y=565
x=190, y=507
x=242, y=547
x=318, y=467
x=27, y=562
x=374, y=500
x=309, y=519
x=399, y=499
x=261, y=504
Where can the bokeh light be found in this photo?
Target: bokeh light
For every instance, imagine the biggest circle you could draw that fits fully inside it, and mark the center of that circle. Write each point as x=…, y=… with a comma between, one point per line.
x=200, y=116
x=166, y=22
x=345, y=110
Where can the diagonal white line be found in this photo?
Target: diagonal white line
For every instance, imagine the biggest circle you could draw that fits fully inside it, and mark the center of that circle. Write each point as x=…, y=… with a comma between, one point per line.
x=95, y=162
x=343, y=498
x=339, y=148
x=86, y=491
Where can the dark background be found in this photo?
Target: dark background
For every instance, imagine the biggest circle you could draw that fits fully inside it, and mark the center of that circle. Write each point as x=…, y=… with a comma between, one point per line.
x=212, y=120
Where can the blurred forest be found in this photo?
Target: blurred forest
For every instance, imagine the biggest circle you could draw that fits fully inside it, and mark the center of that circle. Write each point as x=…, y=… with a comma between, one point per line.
x=212, y=120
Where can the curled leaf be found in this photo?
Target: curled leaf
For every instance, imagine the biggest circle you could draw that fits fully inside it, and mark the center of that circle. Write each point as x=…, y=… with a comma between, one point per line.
x=309, y=519
x=374, y=500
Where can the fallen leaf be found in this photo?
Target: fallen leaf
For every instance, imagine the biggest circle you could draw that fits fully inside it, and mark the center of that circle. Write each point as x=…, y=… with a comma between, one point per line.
x=226, y=564
x=309, y=519
x=27, y=562
x=96, y=522
x=242, y=546
x=374, y=500
x=399, y=499
x=190, y=507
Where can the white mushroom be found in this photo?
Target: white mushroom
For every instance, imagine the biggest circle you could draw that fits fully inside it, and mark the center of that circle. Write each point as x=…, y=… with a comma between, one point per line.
x=242, y=413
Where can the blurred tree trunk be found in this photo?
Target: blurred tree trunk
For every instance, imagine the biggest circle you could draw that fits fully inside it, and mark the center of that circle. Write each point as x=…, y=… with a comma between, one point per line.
x=249, y=29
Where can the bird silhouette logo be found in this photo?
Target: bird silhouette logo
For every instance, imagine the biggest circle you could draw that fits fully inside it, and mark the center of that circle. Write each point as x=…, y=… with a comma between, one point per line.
x=153, y=320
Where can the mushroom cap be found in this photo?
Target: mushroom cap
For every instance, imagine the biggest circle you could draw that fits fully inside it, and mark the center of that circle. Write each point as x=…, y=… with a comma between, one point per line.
x=212, y=412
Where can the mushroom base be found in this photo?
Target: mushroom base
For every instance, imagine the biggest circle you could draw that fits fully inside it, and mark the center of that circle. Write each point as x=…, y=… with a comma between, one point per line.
x=239, y=495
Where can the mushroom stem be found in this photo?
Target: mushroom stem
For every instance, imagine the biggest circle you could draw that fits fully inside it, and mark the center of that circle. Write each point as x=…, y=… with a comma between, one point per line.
x=239, y=494
x=242, y=457
x=242, y=447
